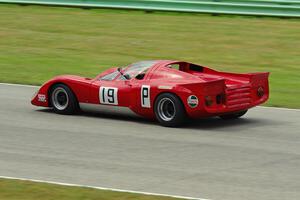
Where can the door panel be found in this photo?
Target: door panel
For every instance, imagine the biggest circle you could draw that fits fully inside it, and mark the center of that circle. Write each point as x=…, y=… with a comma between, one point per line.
x=116, y=93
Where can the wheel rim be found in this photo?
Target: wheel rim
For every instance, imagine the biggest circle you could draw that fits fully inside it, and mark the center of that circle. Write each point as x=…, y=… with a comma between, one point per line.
x=166, y=109
x=60, y=98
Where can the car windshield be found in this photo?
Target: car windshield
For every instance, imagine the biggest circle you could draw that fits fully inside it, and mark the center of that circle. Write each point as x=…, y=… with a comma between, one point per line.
x=109, y=77
x=138, y=68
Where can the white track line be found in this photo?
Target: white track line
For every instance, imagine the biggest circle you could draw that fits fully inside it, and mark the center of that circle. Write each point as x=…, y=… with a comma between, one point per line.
x=102, y=188
x=35, y=86
x=21, y=85
x=279, y=108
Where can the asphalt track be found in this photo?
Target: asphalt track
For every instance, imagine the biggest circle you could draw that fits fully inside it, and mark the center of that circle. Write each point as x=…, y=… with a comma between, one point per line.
x=256, y=157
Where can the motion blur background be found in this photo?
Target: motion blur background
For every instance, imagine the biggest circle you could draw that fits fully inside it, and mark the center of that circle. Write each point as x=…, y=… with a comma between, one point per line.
x=253, y=158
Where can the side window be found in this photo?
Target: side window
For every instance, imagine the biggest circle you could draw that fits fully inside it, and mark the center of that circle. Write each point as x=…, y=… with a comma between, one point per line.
x=196, y=68
x=142, y=74
x=180, y=66
x=174, y=66
x=109, y=77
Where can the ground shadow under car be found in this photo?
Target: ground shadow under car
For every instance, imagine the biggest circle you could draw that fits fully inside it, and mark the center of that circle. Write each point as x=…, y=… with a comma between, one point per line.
x=212, y=123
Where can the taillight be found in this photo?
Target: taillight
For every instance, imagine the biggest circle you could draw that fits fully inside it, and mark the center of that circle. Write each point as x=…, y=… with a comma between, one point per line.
x=208, y=101
x=220, y=98
x=260, y=92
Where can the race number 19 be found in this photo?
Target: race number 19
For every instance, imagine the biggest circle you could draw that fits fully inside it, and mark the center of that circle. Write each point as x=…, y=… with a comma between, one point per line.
x=108, y=95
x=145, y=96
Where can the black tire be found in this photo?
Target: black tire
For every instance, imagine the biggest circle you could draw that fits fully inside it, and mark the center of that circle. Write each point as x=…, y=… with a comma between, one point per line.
x=63, y=100
x=169, y=110
x=233, y=115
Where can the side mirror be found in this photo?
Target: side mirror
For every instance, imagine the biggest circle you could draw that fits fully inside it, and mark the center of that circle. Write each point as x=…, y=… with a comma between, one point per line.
x=126, y=76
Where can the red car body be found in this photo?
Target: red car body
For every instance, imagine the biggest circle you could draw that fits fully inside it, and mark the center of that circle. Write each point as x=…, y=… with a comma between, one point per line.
x=204, y=92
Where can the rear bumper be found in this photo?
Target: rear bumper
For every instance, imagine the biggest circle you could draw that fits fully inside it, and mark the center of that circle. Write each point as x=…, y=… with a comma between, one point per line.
x=235, y=99
x=225, y=109
x=239, y=98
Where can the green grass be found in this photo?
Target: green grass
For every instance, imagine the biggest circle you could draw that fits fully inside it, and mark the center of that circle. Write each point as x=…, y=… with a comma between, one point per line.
x=37, y=43
x=27, y=190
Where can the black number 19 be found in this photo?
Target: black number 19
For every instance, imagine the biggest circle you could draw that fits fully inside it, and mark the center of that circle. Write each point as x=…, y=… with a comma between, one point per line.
x=108, y=96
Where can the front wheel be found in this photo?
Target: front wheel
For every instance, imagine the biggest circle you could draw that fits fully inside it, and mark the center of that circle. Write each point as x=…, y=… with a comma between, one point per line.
x=169, y=110
x=234, y=115
x=63, y=100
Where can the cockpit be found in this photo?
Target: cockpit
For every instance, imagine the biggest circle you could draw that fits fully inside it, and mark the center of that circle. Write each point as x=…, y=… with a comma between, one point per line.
x=136, y=70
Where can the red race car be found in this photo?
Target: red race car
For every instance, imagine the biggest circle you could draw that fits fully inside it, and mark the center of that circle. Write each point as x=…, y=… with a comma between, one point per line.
x=166, y=90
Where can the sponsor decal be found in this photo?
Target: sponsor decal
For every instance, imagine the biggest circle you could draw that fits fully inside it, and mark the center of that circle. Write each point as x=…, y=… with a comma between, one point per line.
x=165, y=87
x=41, y=97
x=108, y=95
x=192, y=101
x=145, y=96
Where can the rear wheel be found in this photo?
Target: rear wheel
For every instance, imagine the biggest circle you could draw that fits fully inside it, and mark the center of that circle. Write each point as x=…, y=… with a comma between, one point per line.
x=63, y=99
x=233, y=115
x=169, y=110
